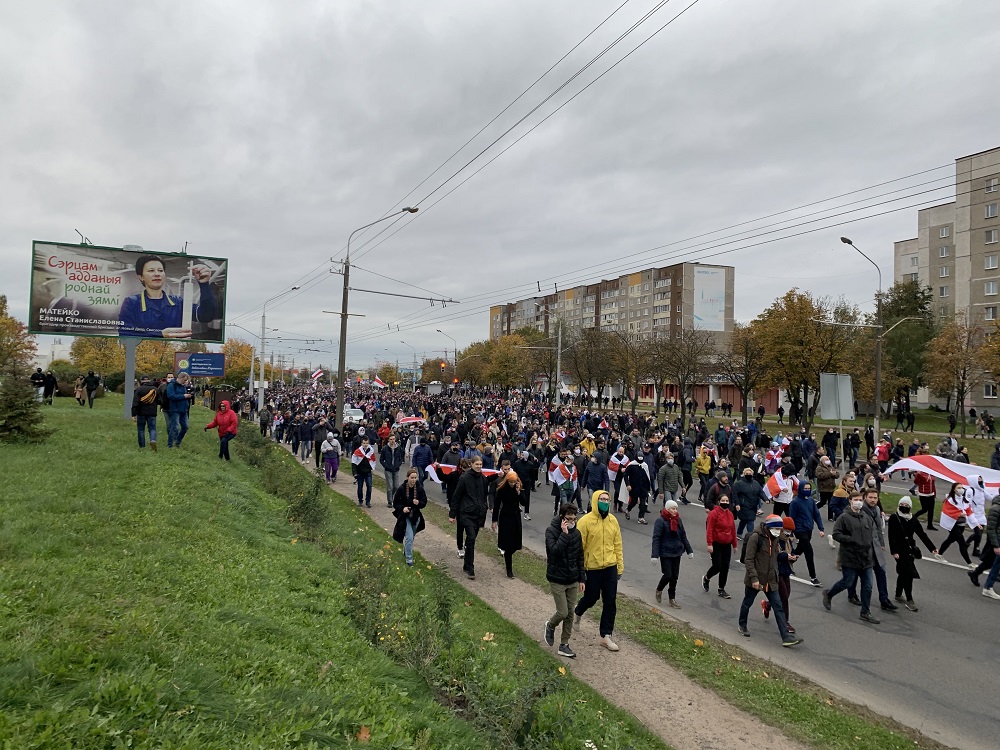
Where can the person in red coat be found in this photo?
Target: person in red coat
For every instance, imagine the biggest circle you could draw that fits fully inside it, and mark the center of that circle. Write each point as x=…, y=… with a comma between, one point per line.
x=227, y=423
x=720, y=533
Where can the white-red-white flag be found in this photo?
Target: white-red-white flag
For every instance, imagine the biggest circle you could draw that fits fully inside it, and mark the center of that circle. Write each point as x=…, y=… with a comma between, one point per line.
x=318, y=374
x=378, y=382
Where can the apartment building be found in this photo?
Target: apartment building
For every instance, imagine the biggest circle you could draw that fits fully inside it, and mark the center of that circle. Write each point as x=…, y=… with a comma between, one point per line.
x=957, y=248
x=654, y=301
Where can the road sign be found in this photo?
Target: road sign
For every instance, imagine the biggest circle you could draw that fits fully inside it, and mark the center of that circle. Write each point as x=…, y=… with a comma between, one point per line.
x=200, y=364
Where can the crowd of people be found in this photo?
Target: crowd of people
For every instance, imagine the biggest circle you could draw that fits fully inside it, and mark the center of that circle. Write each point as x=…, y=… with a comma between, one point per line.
x=491, y=451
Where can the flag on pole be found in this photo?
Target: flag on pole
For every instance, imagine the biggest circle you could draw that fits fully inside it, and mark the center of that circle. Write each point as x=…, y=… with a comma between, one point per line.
x=616, y=464
x=378, y=382
x=318, y=374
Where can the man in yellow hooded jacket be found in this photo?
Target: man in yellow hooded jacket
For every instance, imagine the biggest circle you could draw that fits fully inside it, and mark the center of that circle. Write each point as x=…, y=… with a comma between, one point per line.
x=604, y=563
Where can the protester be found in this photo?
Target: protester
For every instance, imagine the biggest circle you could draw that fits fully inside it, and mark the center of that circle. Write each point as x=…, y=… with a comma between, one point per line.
x=38, y=383
x=331, y=451
x=855, y=531
x=566, y=573
x=468, y=508
x=391, y=458
x=91, y=383
x=670, y=542
x=604, y=562
x=363, y=460
x=901, y=528
x=178, y=393
x=227, y=424
x=760, y=558
x=407, y=502
x=507, y=514
x=805, y=514
x=786, y=557
x=144, y=407
x=720, y=535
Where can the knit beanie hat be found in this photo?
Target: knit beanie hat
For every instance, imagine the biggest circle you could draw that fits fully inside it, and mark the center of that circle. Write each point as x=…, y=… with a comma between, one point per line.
x=789, y=524
x=774, y=522
x=670, y=505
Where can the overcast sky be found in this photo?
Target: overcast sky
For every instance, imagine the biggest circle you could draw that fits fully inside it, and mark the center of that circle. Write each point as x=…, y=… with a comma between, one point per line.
x=265, y=132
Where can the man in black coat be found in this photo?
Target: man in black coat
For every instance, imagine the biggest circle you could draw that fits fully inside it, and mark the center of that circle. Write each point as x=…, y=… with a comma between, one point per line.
x=565, y=573
x=144, y=404
x=638, y=483
x=468, y=508
x=855, y=531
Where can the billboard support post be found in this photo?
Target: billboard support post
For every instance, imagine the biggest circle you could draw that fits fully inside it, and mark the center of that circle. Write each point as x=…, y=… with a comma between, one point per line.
x=131, y=344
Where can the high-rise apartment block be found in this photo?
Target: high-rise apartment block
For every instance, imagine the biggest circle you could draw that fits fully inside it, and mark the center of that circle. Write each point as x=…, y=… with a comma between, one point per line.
x=957, y=248
x=655, y=301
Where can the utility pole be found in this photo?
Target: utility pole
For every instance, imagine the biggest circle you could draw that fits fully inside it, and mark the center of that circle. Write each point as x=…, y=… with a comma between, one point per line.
x=558, y=359
x=878, y=338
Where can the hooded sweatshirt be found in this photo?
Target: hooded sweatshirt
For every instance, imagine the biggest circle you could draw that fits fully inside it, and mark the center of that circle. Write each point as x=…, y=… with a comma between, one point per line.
x=225, y=419
x=602, y=539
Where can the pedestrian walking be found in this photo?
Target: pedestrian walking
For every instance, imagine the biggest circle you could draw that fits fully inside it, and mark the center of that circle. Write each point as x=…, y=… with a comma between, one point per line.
x=900, y=529
x=391, y=457
x=993, y=543
x=227, y=424
x=506, y=521
x=179, y=395
x=144, y=405
x=468, y=509
x=363, y=460
x=855, y=531
x=670, y=542
x=331, y=450
x=566, y=574
x=805, y=515
x=760, y=558
x=786, y=557
x=408, y=501
x=956, y=517
x=720, y=535
x=603, y=559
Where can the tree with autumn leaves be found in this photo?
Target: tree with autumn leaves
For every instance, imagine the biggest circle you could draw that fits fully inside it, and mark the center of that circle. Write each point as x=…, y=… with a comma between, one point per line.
x=20, y=413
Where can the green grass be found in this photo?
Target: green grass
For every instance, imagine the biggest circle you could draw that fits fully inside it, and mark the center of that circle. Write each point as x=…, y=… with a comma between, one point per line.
x=778, y=697
x=163, y=600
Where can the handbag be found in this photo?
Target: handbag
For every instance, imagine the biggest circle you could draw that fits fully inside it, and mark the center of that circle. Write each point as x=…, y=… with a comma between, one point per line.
x=915, y=552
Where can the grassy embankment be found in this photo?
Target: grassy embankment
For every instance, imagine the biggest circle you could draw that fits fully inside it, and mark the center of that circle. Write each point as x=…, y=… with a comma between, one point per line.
x=170, y=600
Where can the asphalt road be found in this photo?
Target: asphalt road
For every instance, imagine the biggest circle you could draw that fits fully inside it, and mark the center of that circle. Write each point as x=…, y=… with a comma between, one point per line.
x=935, y=670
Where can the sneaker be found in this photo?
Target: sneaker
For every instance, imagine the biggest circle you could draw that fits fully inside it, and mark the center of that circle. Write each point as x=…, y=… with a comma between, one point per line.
x=854, y=600
x=743, y=630
x=674, y=604
x=704, y=583
x=991, y=594
x=152, y=444
x=974, y=578
x=527, y=517
x=833, y=544
x=410, y=563
x=576, y=620
x=723, y=594
x=609, y=644
x=900, y=598
x=789, y=642
x=643, y=521
x=869, y=617
x=659, y=596
x=550, y=634
x=766, y=608
x=461, y=553
x=471, y=575
x=911, y=605
x=973, y=566
x=826, y=598
x=789, y=628
x=815, y=582
x=565, y=650
x=888, y=606
x=627, y=516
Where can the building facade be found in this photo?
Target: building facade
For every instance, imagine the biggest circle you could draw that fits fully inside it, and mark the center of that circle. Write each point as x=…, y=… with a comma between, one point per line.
x=654, y=301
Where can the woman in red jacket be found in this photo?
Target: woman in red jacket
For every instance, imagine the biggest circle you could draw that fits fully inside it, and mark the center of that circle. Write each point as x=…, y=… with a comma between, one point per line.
x=720, y=533
x=227, y=422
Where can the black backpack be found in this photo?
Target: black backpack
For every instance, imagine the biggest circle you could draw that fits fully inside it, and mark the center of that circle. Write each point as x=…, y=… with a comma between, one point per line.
x=743, y=547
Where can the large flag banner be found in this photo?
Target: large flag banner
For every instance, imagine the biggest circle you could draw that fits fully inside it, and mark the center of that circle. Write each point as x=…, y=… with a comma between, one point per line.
x=86, y=290
x=778, y=483
x=360, y=454
x=318, y=374
x=616, y=464
x=435, y=472
x=377, y=382
x=948, y=470
x=561, y=473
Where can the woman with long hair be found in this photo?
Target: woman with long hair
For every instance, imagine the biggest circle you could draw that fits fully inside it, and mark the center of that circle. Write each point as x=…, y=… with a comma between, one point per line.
x=507, y=514
x=407, y=503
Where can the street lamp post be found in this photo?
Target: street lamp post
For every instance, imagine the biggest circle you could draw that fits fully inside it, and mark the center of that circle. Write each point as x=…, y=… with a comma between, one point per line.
x=263, y=344
x=342, y=355
x=414, y=364
x=878, y=337
x=456, y=350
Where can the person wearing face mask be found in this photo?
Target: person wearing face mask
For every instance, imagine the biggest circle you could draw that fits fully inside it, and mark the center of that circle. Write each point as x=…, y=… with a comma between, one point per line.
x=407, y=502
x=956, y=517
x=979, y=501
x=564, y=478
x=786, y=556
x=668, y=479
x=874, y=509
x=747, y=499
x=721, y=486
x=637, y=484
x=603, y=559
x=901, y=528
x=566, y=574
x=595, y=476
x=720, y=535
x=805, y=514
x=760, y=557
x=840, y=499
x=670, y=542
x=580, y=461
x=826, y=480
x=855, y=531
x=525, y=467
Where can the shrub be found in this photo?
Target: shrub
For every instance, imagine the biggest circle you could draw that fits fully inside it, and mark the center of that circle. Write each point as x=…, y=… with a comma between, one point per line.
x=20, y=413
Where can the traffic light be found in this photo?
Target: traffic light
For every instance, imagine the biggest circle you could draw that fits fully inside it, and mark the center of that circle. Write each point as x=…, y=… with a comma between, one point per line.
x=443, y=365
x=455, y=381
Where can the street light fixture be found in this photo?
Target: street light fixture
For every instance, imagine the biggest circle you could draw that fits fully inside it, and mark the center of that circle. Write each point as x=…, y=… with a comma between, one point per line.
x=414, y=364
x=878, y=335
x=263, y=344
x=342, y=358
x=456, y=349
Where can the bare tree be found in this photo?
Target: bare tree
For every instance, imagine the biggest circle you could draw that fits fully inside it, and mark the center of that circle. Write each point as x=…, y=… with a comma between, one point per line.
x=684, y=360
x=742, y=362
x=954, y=361
x=633, y=358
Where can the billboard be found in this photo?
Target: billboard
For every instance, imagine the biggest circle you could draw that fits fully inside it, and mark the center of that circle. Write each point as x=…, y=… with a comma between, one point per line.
x=709, y=298
x=200, y=364
x=86, y=290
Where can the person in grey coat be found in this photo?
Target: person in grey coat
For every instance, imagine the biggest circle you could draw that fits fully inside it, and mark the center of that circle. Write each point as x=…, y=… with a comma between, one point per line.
x=855, y=532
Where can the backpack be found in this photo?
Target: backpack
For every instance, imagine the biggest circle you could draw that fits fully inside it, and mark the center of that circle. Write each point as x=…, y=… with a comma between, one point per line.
x=743, y=547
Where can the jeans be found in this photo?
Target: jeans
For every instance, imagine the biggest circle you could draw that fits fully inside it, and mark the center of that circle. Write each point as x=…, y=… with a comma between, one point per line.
x=670, y=495
x=364, y=482
x=750, y=596
x=408, y=542
x=224, y=444
x=470, y=527
x=39, y=394
x=90, y=398
x=305, y=449
x=142, y=423
x=991, y=579
x=564, y=496
x=881, y=584
x=805, y=548
x=850, y=577
x=565, y=596
x=601, y=584
x=391, y=483
x=745, y=524
x=177, y=427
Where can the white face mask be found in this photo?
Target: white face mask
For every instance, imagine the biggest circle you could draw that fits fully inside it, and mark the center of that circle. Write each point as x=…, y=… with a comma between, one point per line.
x=960, y=492
x=871, y=482
x=775, y=532
x=856, y=505
x=571, y=525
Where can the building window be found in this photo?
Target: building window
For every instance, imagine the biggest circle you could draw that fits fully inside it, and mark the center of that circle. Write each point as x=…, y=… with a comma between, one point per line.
x=913, y=261
x=991, y=262
x=991, y=210
x=678, y=308
x=990, y=312
x=942, y=311
x=990, y=288
x=991, y=236
x=944, y=272
x=913, y=277
x=990, y=390
x=944, y=232
x=944, y=251
x=992, y=184
x=942, y=291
